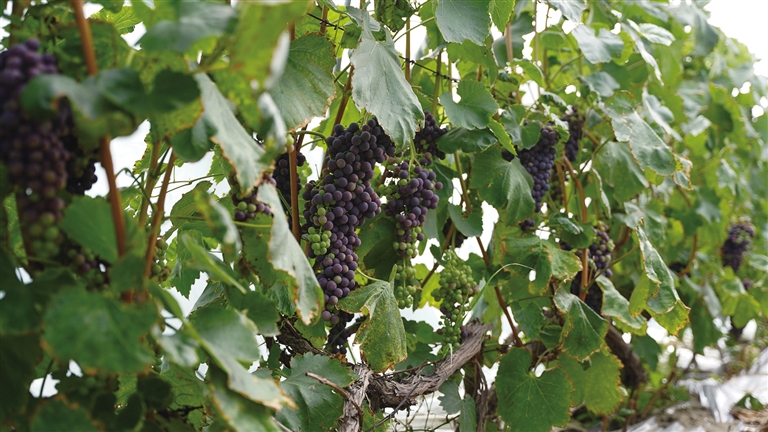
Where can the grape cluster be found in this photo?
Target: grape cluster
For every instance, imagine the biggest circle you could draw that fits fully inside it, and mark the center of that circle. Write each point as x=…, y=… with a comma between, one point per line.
x=405, y=284
x=87, y=265
x=456, y=286
x=426, y=139
x=282, y=174
x=247, y=206
x=594, y=298
x=601, y=252
x=739, y=239
x=339, y=333
x=576, y=132
x=338, y=203
x=160, y=270
x=409, y=198
x=528, y=224
x=32, y=150
x=538, y=162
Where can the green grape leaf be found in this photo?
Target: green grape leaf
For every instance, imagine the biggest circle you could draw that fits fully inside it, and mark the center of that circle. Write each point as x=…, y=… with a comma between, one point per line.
x=705, y=333
x=520, y=256
x=264, y=22
x=616, y=306
x=530, y=318
x=601, y=83
x=319, y=407
x=98, y=234
x=450, y=399
x=475, y=109
x=306, y=87
x=649, y=150
x=524, y=399
x=203, y=260
x=282, y=259
x=571, y=9
x=18, y=356
x=393, y=13
x=466, y=140
x=378, y=85
x=620, y=170
x=375, y=251
x=471, y=226
x=468, y=418
x=58, y=415
x=237, y=411
x=180, y=348
x=247, y=157
x=459, y=20
x=377, y=301
x=596, y=381
x=598, y=48
x=665, y=296
x=124, y=20
x=99, y=333
x=501, y=134
x=584, y=330
x=259, y=308
x=219, y=221
x=183, y=275
x=504, y=185
x=523, y=136
x=195, y=21
x=501, y=12
x=170, y=91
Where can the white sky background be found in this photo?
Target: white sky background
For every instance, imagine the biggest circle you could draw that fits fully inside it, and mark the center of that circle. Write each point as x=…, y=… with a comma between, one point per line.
x=740, y=19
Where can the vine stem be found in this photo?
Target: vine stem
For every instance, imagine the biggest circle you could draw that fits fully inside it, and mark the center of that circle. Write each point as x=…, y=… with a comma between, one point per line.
x=105, y=154
x=45, y=377
x=324, y=19
x=503, y=304
x=151, y=180
x=408, y=49
x=157, y=217
x=508, y=42
x=292, y=160
x=437, y=82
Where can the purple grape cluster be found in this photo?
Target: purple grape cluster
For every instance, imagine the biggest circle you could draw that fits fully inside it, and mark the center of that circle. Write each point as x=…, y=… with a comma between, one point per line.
x=576, y=133
x=32, y=150
x=594, y=298
x=87, y=265
x=247, y=206
x=409, y=198
x=339, y=333
x=339, y=203
x=282, y=174
x=456, y=286
x=739, y=239
x=601, y=252
x=528, y=224
x=426, y=139
x=538, y=162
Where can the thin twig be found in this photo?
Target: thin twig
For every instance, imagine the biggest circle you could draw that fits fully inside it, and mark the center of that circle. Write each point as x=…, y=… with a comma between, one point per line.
x=503, y=305
x=338, y=389
x=45, y=377
x=293, y=167
x=151, y=180
x=157, y=218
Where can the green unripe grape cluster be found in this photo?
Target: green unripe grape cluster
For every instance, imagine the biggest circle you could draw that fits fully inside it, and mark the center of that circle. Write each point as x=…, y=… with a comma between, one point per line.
x=319, y=238
x=46, y=236
x=160, y=271
x=456, y=286
x=405, y=284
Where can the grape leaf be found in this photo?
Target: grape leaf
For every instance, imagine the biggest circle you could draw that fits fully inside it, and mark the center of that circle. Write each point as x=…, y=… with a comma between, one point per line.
x=536, y=402
x=378, y=85
x=474, y=110
x=450, y=399
x=377, y=301
x=616, y=306
x=58, y=415
x=306, y=87
x=584, y=330
x=601, y=83
x=596, y=381
x=98, y=332
x=504, y=185
x=237, y=411
x=202, y=260
x=18, y=357
x=600, y=48
x=124, y=20
x=194, y=21
x=571, y=9
x=470, y=226
x=243, y=152
x=319, y=407
x=459, y=20
x=466, y=140
x=501, y=12
x=620, y=170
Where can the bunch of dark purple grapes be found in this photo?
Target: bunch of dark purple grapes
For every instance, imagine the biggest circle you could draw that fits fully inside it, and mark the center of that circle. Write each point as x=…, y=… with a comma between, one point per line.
x=282, y=174
x=32, y=150
x=409, y=198
x=247, y=206
x=594, y=297
x=538, y=162
x=601, y=252
x=739, y=239
x=426, y=139
x=576, y=133
x=339, y=203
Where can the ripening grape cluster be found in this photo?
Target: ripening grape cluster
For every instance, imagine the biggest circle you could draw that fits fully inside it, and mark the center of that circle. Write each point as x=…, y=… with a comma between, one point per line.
x=426, y=139
x=538, y=162
x=456, y=286
x=247, y=206
x=576, y=132
x=32, y=150
x=404, y=284
x=282, y=174
x=87, y=265
x=739, y=239
x=160, y=270
x=601, y=252
x=409, y=198
x=338, y=203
